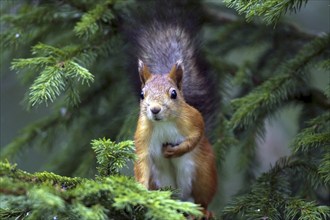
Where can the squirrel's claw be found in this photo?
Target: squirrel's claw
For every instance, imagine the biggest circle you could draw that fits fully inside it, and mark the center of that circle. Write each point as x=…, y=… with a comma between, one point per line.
x=170, y=150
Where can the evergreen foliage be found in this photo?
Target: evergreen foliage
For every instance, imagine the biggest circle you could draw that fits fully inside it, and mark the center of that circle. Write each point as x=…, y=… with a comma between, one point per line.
x=111, y=157
x=46, y=195
x=276, y=91
x=78, y=70
x=270, y=196
x=58, y=73
x=270, y=10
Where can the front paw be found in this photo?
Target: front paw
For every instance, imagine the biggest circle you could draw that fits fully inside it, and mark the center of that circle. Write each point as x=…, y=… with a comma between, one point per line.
x=170, y=150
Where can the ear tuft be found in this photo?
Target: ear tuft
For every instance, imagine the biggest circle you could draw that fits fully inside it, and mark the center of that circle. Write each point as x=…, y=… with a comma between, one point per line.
x=179, y=64
x=140, y=67
x=143, y=72
x=176, y=73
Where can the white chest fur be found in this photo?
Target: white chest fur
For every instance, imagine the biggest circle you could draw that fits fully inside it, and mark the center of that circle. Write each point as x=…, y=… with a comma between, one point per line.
x=176, y=172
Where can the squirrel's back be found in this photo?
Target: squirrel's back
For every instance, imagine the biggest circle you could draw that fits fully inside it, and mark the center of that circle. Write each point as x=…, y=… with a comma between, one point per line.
x=166, y=32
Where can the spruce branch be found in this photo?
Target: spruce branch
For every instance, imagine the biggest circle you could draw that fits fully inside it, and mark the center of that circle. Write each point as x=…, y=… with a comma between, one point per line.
x=47, y=86
x=290, y=80
x=30, y=14
x=324, y=64
x=315, y=136
x=248, y=146
x=89, y=212
x=270, y=10
x=269, y=197
x=217, y=17
x=324, y=167
x=58, y=70
x=28, y=23
x=225, y=140
x=88, y=25
x=34, y=131
x=11, y=171
x=45, y=200
x=157, y=203
x=44, y=195
x=46, y=50
x=311, y=141
x=112, y=156
x=305, y=210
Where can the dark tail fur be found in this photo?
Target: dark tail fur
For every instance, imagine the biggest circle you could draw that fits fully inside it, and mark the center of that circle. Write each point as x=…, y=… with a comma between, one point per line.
x=163, y=32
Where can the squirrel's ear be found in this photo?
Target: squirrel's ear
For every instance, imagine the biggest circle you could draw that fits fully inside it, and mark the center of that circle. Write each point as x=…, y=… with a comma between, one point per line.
x=143, y=72
x=177, y=73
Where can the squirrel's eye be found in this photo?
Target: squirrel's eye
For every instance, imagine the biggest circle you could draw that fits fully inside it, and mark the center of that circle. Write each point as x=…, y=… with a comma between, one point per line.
x=142, y=95
x=173, y=94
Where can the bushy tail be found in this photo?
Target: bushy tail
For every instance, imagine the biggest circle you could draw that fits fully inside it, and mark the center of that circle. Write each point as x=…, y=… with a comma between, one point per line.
x=162, y=32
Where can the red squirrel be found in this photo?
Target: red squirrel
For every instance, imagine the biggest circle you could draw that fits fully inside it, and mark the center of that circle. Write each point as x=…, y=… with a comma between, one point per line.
x=177, y=103
x=170, y=141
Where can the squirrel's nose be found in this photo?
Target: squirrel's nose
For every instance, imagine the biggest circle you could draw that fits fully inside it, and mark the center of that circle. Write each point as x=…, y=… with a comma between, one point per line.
x=155, y=110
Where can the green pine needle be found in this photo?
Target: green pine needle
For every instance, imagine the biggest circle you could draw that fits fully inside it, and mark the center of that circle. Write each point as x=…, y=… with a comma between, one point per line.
x=30, y=195
x=88, y=25
x=270, y=10
x=324, y=167
x=269, y=198
x=315, y=136
x=112, y=156
x=276, y=91
x=58, y=72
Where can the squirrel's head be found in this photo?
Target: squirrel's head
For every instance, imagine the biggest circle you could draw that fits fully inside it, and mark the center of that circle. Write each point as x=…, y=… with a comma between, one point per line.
x=161, y=95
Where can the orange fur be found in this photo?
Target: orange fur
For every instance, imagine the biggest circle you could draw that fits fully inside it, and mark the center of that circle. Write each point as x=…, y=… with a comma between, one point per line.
x=190, y=125
x=142, y=137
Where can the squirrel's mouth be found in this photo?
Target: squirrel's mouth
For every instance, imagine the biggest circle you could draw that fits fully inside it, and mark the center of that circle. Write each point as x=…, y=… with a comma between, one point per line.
x=155, y=118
